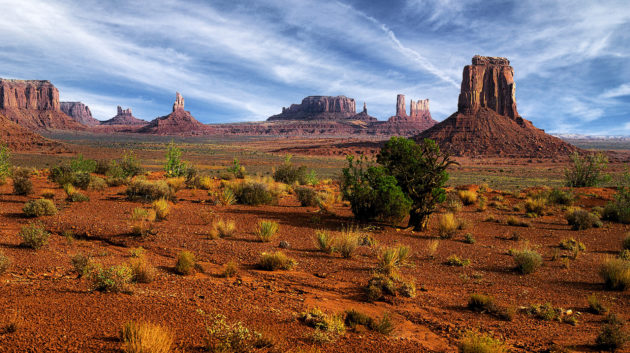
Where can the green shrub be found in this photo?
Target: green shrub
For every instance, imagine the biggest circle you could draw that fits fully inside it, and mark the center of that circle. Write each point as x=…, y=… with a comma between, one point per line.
x=372, y=193
x=476, y=343
x=111, y=279
x=161, y=208
x=82, y=165
x=586, y=170
x=469, y=239
x=174, y=166
x=324, y=242
x=317, y=319
x=572, y=245
x=612, y=335
x=145, y=337
x=595, y=305
x=5, y=162
x=480, y=302
x=468, y=197
x=62, y=175
x=34, y=236
x=226, y=337
x=535, y=206
x=5, y=263
x=447, y=225
x=420, y=172
x=82, y=264
x=185, y=264
x=527, y=261
x=236, y=170
x=544, y=312
x=142, y=271
x=255, y=194
x=22, y=184
x=580, y=219
x=391, y=259
x=514, y=221
x=275, y=261
x=148, y=191
x=226, y=197
x=266, y=230
x=223, y=229
x=290, y=174
x=455, y=260
x=560, y=197
x=230, y=270
x=41, y=207
x=615, y=273
x=347, y=242
x=308, y=197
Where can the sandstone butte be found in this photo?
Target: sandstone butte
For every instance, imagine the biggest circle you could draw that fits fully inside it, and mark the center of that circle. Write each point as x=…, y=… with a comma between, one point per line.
x=34, y=105
x=124, y=117
x=19, y=138
x=487, y=122
x=79, y=112
x=179, y=121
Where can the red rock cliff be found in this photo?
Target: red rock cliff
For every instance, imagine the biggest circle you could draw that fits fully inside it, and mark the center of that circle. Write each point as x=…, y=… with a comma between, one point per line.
x=319, y=108
x=488, y=83
x=79, y=112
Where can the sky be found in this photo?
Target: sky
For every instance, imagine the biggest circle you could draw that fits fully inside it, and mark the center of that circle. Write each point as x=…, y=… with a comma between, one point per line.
x=244, y=60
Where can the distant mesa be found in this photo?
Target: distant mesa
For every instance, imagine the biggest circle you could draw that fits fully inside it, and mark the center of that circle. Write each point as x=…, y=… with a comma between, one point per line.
x=418, y=119
x=79, y=112
x=124, y=117
x=179, y=121
x=487, y=122
x=319, y=108
x=34, y=104
x=19, y=138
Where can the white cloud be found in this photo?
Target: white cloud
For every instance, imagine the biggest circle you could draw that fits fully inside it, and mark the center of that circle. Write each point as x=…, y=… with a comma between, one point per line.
x=620, y=91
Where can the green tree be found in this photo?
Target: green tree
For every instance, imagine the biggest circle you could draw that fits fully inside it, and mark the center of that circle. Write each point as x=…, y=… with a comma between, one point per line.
x=420, y=170
x=586, y=171
x=373, y=194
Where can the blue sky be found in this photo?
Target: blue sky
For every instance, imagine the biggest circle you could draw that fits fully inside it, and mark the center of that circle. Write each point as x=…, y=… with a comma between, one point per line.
x=245, y=60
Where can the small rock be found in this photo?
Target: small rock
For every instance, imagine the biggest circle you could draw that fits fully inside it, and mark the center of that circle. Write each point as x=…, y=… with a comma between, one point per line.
x=284, y=245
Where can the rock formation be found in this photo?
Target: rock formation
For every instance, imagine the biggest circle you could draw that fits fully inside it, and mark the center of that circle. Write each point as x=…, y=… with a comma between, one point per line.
x=319, y=108
x=403, y=124
x=125, y=117
x=19, y=138
x=34, y=105
x=179, y=121
x=487, y=122
x=79, y=112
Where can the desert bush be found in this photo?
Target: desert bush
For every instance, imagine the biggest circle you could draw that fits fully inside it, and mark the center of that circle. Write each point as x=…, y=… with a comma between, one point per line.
x=453, y=203
x=236, y=171
x=480, y=302
x=372, y=193
x=514, y=221
x=625, y=243
x=378, y=286
x=289, y=173
x=148, y=191
x=174, y=166
x=580, y=219
x=254, y=194
x=347, y=241
x=536, y=206
x=176, y=184
x=111, y=279
x=22, y=184
x=308, y=197
x=199, y=182
x=447, y=225
x=615, y=273
x=612, y=335
x=230, y=269
x=275, y=261
x=266, y=230
x=595, y=305
x=544, y=312
x=455, y=260
x=391, y=259
x=527, y=261
x=230, y=337
x=5, y=162
x=145, y=337
x=72, y=195
x=586, y=170
x=120, y=170
x=469, y=239
x=223, y=229
x=82, y=165
x=432, y=247
x=477, y=343
x=48, y=194
x=161, y=208
x=142, y=222
x=62, y=175
x=34, y=236
x=97, y=183
x=41, y=207
x=420, y=172
x=142, y=271
x=5, y=263
x=226, y=197
x=324, y=241
x=560, y=197
x=468, y=197
x=334, y=324
x=81, y=264
x=572, y=245
x=353, y=318
x=185, y=264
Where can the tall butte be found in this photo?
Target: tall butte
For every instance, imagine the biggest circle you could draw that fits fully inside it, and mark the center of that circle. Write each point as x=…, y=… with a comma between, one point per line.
x=34, y=104
x=487, y=122
x=179, y=121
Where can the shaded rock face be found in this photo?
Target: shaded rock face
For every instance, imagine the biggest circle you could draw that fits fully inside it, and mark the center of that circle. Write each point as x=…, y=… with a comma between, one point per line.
x=418, y=119
x=488, y=83
x=179, y=121
x=34, y=104
x=319, y=108
x=19, y=138
x=401, y=109
x=79, y=112
x=126, y=118
x=487, y=122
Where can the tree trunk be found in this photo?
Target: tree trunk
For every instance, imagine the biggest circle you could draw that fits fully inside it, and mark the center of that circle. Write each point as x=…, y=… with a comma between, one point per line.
x=418, y=220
